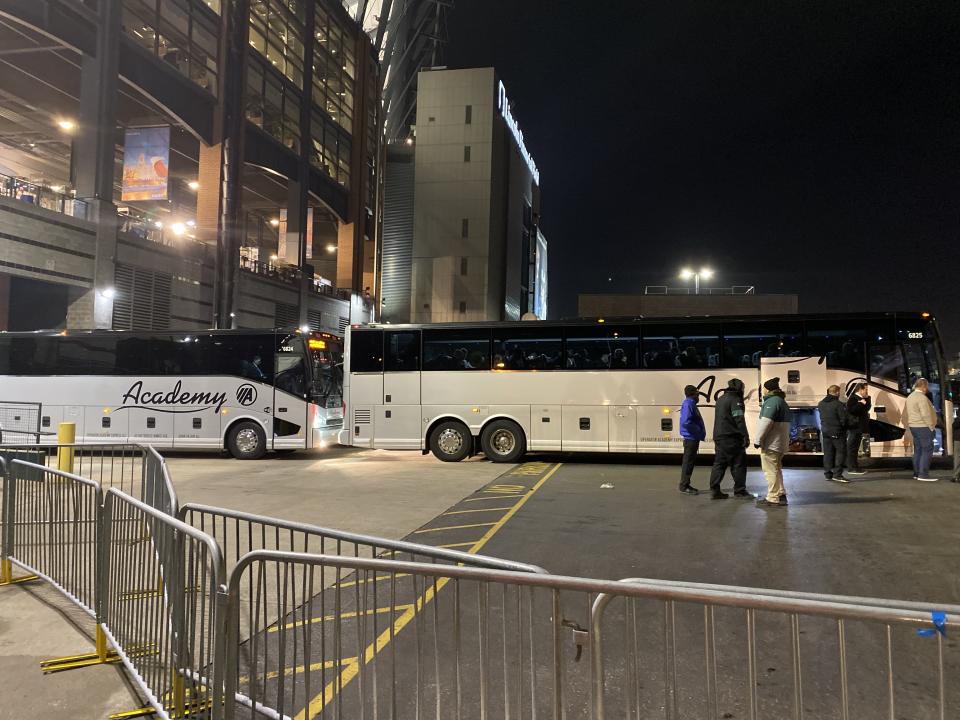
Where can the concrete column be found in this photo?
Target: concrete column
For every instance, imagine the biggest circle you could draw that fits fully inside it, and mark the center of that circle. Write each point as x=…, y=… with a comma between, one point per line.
x=92, y=165
x=230, y=131
x=4, y=301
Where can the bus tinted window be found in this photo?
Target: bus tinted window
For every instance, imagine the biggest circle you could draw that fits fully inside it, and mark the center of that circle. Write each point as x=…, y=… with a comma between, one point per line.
x=841, y=344
x=745, y=343
x=681, y=346
x=886, y=363
x=533, y=349
x=366, y=351
x=402, y=350
x=87, y=355
x=602, y=348
x=456, y=349
x=248, y=356
x=33, y=355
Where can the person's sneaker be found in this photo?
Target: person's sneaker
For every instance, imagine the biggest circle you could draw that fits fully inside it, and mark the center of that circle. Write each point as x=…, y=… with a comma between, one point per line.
x=838, y=479
x=955, y=479
x=718, y=495
x=828, y=476
x=742, y=493
x=856, y=472
x=783, y=499
x=925, y=479
x=764, y=503
x=689, y=490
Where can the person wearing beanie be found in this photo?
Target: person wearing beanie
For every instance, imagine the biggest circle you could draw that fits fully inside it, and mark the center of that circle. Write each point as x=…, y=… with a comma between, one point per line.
x=730, y=441
x=692, y=430
x=773, y=439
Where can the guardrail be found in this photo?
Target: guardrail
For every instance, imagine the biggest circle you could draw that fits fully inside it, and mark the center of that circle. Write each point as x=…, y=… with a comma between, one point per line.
x=222, y=614
x=19, y=421
x=42, y=196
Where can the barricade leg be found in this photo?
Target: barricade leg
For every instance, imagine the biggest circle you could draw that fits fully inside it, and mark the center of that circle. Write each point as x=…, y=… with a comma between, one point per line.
x=102, y=655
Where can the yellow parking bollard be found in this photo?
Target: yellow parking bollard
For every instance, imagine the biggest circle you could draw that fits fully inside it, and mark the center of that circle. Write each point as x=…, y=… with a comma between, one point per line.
x=66, y=437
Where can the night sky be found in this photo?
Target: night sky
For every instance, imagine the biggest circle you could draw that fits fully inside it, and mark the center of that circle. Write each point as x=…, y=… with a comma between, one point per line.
x=808, y=147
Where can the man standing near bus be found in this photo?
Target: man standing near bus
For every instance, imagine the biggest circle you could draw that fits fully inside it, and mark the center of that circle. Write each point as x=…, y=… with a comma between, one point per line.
x=922, y=422
x=773, y=440
x=731, y=440
x=858, y=410
x=833, y=434
x=692, y=430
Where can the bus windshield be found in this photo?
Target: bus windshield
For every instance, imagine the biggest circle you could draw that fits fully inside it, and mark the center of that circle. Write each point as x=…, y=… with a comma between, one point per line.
x=326, y=362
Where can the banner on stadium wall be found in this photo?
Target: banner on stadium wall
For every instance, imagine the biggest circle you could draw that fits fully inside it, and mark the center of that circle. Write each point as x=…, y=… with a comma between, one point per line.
x=146, y=163
x=540, y=280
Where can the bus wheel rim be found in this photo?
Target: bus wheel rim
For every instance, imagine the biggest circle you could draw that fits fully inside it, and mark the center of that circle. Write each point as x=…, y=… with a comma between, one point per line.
x=503, y=442
x=450, y=441
x=247, y=440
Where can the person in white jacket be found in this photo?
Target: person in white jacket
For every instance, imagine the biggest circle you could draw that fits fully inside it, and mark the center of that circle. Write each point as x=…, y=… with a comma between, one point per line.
x=921, y=419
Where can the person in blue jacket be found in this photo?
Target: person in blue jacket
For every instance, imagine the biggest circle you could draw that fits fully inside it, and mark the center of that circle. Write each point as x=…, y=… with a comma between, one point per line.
x=692, y=430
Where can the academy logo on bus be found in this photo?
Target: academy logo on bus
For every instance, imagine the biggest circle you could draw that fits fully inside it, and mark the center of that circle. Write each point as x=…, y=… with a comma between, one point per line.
x=246, y=394
x=149, y=399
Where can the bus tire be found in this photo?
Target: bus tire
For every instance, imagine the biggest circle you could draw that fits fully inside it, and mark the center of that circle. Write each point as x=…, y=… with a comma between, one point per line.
x=451, y=441
x=503, y=441
x=247, y=441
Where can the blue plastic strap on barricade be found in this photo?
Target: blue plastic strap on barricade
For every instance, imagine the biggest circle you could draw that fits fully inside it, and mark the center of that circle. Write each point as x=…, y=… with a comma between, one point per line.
x=939, y=619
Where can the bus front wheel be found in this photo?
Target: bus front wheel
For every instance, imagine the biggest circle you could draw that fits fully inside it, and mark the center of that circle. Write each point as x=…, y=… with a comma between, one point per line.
x=503, y=441
x=247, y=441
x=451, y=441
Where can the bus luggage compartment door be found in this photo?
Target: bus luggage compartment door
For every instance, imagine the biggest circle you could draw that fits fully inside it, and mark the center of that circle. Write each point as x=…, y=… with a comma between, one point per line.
x=585, y=428
x=545, y=427
x=623, y=428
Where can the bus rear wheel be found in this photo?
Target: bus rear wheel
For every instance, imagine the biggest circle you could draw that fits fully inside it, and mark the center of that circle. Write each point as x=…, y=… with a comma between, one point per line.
x=247, y=441
x=503, y=441
x=451, y=441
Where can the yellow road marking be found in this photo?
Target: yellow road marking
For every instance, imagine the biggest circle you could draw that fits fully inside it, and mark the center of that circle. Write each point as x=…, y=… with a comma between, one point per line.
x=516, y=489
x=344, y=616
x=318, y=703
x=351, y=583
x=325, y=665
x=451, y=527
x=456, y=545
x=494, y=497
x=462, y=512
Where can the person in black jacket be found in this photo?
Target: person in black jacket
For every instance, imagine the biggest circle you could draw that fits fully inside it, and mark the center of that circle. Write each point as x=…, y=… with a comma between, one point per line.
x=858, y=411
x=730, y=440
x=833, y=434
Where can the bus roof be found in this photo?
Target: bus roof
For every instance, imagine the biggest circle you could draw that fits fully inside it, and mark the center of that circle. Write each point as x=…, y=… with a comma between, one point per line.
x=614, y=320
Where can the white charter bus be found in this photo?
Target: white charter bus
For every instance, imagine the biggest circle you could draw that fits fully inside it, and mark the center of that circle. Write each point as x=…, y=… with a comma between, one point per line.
x=246, y=391
x=611, y=385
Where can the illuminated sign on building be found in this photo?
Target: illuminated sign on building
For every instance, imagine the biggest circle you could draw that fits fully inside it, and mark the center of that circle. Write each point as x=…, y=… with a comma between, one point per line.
x=146, y=158
x=504, y=106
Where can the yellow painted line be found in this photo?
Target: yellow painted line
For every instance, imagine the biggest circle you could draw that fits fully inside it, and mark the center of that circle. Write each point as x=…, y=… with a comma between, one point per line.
x=451, y=527
x=494, y=497
x=343, y=616
x=513, y=511
x=507, y=489
x=456, y=545
x=351, y=583
x=463, y=512
x=318, y=703
x=325, y=665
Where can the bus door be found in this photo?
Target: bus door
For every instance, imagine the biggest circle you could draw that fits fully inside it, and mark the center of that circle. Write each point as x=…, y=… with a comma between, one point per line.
x=290, y=394
x=398, y=418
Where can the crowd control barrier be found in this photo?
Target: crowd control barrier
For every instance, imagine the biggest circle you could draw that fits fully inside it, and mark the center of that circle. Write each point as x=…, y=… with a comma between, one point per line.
x=222, y=614
x=462, y=642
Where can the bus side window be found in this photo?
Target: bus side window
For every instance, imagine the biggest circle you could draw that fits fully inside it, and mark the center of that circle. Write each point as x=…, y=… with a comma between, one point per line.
x=533, y=349
x=456, y=349
x=402, y=350
x=366, y=351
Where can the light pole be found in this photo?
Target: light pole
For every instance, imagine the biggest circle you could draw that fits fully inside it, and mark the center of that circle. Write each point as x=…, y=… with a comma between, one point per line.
x=705, y=273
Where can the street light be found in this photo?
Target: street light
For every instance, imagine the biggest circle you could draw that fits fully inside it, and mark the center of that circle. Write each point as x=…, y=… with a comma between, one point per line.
x=687, y=274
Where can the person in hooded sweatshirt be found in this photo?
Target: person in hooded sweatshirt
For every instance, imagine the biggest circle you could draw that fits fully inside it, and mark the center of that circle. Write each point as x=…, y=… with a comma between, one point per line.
x=730, y=440
x=692, y=430
x=773, y=439
x=833, y=434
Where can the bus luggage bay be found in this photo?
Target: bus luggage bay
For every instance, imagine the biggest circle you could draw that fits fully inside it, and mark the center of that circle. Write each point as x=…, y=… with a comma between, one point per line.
x=611, y=385
x=247, y=391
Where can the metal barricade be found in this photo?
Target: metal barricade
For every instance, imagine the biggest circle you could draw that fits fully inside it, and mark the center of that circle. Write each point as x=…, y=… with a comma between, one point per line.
x=20, y=422
x=51, y=528
x=239, y=533
x=720, y=651
x=462, y=642
x=161, y=582
x=137, y=470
